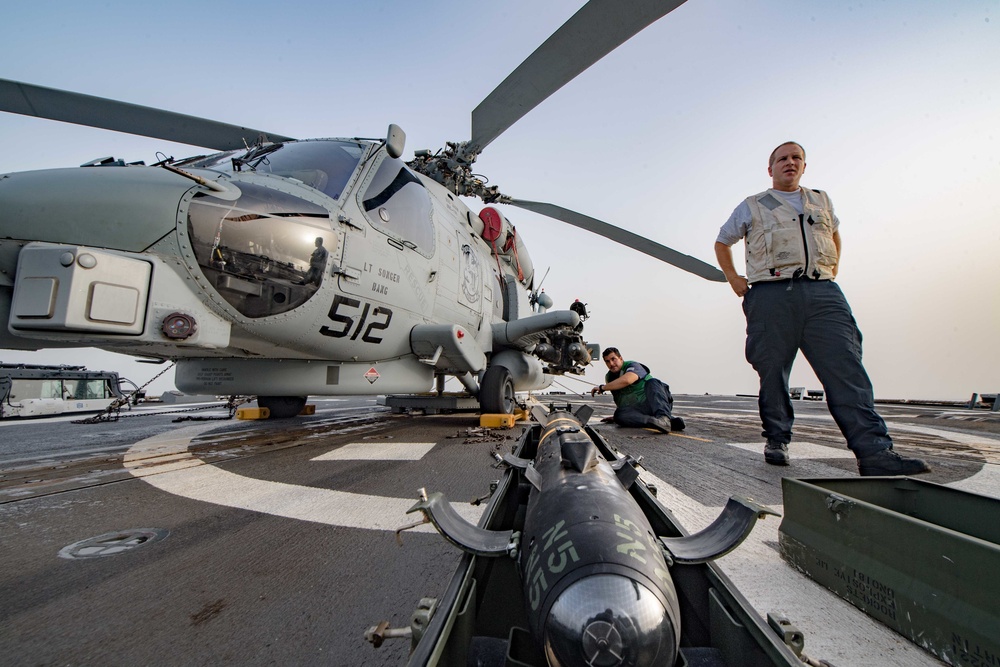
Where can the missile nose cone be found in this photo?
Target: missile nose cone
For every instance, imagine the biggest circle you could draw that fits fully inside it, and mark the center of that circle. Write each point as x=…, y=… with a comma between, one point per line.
x=609, y=620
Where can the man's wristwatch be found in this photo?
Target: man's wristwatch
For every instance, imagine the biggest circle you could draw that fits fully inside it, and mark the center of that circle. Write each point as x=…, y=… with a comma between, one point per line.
x=600, y=388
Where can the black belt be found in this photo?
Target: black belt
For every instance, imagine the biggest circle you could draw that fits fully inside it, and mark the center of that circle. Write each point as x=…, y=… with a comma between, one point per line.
x=795, y=278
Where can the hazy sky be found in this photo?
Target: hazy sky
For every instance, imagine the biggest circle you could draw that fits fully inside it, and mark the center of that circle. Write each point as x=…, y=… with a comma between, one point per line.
x=896, y=102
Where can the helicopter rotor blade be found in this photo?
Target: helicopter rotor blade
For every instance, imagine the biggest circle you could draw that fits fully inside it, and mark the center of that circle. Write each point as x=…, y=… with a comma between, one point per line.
x=53, y=104
x=596, y=30
x=625, y=237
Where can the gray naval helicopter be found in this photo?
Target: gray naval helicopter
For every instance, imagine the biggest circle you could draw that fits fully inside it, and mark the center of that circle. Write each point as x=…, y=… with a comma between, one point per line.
x=284, y=268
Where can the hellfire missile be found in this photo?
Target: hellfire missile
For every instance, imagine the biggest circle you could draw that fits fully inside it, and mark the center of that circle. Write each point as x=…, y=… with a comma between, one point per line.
x=595, y=576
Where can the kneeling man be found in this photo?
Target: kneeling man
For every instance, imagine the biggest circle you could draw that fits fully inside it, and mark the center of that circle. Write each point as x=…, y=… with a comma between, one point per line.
x=641, y=399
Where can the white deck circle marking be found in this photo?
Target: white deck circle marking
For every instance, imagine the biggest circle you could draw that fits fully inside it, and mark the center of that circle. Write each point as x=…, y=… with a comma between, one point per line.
x=165, y=462
x=986, y=482
x=799, y=449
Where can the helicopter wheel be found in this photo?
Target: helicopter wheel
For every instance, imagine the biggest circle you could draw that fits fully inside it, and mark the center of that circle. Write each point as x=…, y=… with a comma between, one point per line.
x=496, y=394
x=282, y=407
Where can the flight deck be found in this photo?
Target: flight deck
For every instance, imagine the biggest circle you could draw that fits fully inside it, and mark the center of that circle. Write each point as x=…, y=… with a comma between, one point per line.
x=220, y=541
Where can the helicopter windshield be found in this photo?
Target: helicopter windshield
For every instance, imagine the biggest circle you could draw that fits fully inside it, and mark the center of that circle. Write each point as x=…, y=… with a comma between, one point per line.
x=324, y=164
x=266, y=253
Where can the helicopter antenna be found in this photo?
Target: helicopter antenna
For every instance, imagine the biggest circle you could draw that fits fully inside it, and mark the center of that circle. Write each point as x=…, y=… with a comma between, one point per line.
x=538, y=299
x=533, y=297
x=543, y=278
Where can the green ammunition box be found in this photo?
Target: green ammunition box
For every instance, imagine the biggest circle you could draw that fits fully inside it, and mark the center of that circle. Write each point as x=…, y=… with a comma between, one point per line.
x=922, y=558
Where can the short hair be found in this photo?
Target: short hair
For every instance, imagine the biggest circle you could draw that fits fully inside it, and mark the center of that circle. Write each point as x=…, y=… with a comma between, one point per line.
x=770, y=160
x=610, y=350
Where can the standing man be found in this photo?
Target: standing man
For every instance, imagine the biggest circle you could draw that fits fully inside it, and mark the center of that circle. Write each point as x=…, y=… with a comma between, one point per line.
x=641, y=399
x=791, y=303
x=317, y=262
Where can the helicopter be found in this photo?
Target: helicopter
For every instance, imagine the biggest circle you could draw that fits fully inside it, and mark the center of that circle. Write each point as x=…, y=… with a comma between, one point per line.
x=283, y=267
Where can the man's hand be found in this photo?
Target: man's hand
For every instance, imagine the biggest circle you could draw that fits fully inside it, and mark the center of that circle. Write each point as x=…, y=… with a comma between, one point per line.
x=599, y=389
x=724, y=254
x=607, y=420
x=739, y=285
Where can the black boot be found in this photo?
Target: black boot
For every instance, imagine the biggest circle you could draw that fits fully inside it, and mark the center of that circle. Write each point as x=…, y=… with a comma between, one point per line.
x=661, y=424
x=776, y=453
x=887, y=463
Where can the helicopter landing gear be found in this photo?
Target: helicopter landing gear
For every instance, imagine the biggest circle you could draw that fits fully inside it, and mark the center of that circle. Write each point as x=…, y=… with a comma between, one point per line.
x=496, y=392
x=282, y=407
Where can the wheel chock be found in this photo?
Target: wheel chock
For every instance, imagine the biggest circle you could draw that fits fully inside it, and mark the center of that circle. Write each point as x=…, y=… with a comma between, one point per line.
x=497, y=421
x=253, y=413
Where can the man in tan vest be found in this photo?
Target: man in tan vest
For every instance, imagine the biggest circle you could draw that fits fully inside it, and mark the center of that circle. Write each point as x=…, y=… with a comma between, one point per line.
x=791, y=303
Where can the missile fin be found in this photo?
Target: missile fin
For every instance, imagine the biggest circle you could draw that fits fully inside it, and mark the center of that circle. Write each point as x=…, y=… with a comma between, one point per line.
x=540, y=414
x=627, y=474
x=583, y=413
x=579, y=455
x=534, y=477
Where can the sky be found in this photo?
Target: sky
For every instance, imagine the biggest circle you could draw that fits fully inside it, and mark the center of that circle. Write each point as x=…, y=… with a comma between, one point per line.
x=897, y=103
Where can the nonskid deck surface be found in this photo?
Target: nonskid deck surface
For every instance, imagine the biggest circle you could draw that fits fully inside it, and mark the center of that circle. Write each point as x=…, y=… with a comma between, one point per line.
x=225, y=542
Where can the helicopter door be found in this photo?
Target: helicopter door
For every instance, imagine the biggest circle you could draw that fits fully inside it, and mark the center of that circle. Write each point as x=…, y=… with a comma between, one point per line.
x=392, y=266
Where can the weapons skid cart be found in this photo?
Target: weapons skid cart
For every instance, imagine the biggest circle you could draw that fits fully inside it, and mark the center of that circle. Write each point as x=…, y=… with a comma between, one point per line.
x=574, y=562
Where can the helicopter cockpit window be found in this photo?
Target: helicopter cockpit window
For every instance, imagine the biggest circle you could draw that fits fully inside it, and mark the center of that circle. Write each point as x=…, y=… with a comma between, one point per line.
x=265, y=253
x=397, y=204
x=324, y=164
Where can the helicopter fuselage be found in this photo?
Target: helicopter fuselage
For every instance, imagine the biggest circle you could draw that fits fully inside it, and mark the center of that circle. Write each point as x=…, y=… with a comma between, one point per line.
x=308, y=267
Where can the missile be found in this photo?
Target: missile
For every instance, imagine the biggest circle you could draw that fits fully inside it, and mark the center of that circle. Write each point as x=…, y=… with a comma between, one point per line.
x=596, y=578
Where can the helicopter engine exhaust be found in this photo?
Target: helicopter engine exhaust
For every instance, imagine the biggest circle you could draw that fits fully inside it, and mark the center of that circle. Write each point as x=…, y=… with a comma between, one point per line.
x=579, y=353
x=547, y=352
x=596, y=584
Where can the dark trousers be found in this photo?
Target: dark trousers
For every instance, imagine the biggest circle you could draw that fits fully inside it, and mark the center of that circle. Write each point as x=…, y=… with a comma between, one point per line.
x=659, y=403
x=812, y=316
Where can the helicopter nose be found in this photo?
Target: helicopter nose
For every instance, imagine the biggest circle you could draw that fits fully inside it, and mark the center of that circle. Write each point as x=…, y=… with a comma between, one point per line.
x=123, y=208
